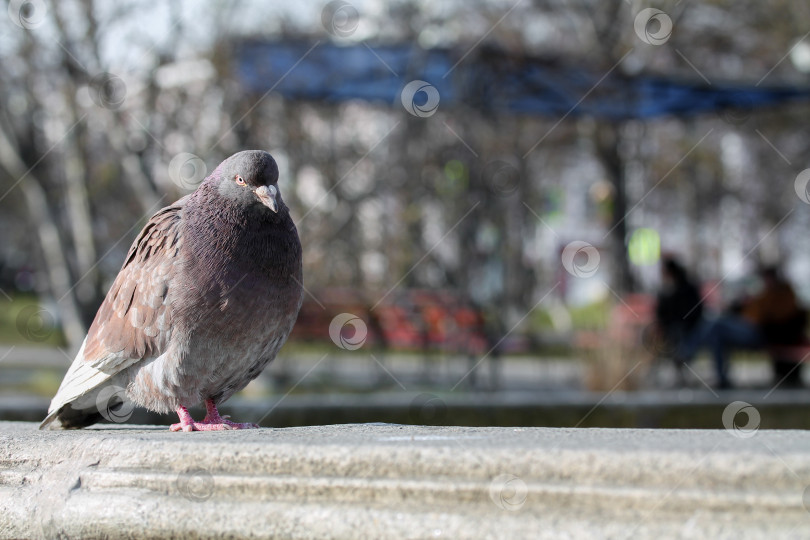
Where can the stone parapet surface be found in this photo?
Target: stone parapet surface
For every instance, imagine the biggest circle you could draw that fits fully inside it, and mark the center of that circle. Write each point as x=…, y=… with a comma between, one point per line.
x=397, y=481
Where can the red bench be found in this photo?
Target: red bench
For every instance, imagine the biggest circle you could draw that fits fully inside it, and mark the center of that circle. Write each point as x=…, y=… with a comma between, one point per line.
x=411, y=319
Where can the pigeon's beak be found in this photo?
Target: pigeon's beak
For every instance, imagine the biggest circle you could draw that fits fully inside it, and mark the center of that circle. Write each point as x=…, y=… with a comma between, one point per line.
x=267, y=196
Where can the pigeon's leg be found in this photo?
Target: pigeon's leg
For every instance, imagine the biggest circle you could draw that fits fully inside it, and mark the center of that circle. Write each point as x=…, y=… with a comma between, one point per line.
x=212, y=418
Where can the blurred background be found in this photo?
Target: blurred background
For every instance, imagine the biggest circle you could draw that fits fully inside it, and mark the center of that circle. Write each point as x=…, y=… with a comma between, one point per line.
x=485, y=192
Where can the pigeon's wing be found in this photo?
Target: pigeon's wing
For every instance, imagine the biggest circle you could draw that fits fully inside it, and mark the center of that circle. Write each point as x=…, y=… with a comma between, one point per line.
x=135, y=320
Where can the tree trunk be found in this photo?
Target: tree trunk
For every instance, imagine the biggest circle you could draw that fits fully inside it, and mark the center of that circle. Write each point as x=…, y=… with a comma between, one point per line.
x=607, y=139
x=47, y=230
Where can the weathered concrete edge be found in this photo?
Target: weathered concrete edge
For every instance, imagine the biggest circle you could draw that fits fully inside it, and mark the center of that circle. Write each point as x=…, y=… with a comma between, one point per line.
x=671, y=409
x=463, y=482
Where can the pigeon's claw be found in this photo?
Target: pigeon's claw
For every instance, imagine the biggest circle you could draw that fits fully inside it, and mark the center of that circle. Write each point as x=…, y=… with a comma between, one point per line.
x=205, y=426
x=182, y=427
x=212, y=422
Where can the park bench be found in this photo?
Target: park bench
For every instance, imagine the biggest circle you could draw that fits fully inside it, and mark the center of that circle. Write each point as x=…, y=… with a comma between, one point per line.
x=410, y=320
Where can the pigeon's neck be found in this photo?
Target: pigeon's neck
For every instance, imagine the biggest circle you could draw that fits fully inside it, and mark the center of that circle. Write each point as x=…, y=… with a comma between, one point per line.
x=223, y=237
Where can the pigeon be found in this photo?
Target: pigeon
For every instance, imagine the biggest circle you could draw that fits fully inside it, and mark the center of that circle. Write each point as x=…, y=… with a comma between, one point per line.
x=207, y=295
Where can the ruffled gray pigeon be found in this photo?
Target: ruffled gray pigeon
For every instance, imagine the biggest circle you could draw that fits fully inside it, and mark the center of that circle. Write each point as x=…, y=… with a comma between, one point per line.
x=208, y=294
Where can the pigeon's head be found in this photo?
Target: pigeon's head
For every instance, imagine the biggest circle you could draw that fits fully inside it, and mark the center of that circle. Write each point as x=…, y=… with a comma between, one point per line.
x=249, y=180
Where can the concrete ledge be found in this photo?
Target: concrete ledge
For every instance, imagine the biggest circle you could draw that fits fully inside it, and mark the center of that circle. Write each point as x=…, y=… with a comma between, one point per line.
x=670, y=409
x=377, y=480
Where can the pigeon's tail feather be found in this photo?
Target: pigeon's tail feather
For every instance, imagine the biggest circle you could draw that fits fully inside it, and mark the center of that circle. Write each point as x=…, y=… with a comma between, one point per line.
x=75, y=403
x=48, y=423
x=69, y=418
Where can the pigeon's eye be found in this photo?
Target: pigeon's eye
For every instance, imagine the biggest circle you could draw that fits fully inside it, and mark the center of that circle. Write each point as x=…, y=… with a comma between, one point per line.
x=239, y=180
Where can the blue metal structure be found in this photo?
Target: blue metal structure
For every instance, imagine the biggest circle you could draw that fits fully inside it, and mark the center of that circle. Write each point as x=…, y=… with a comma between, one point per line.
x=488, y=80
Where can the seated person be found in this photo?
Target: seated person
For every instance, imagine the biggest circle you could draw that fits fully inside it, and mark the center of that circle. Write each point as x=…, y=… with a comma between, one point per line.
x=760, y=321
x=782, y=322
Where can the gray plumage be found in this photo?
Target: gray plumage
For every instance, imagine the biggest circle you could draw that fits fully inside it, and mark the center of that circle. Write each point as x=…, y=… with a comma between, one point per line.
x=208, y=294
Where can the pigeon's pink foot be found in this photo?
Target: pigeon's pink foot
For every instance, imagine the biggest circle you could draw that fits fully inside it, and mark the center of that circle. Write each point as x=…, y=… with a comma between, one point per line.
x=212, y=422
x=202, y=426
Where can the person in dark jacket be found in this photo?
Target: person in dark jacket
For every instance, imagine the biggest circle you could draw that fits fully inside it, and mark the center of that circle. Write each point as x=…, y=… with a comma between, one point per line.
x=678, y=310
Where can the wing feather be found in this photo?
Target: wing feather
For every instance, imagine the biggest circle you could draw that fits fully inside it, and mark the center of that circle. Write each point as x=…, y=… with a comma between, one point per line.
x=135, y=320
